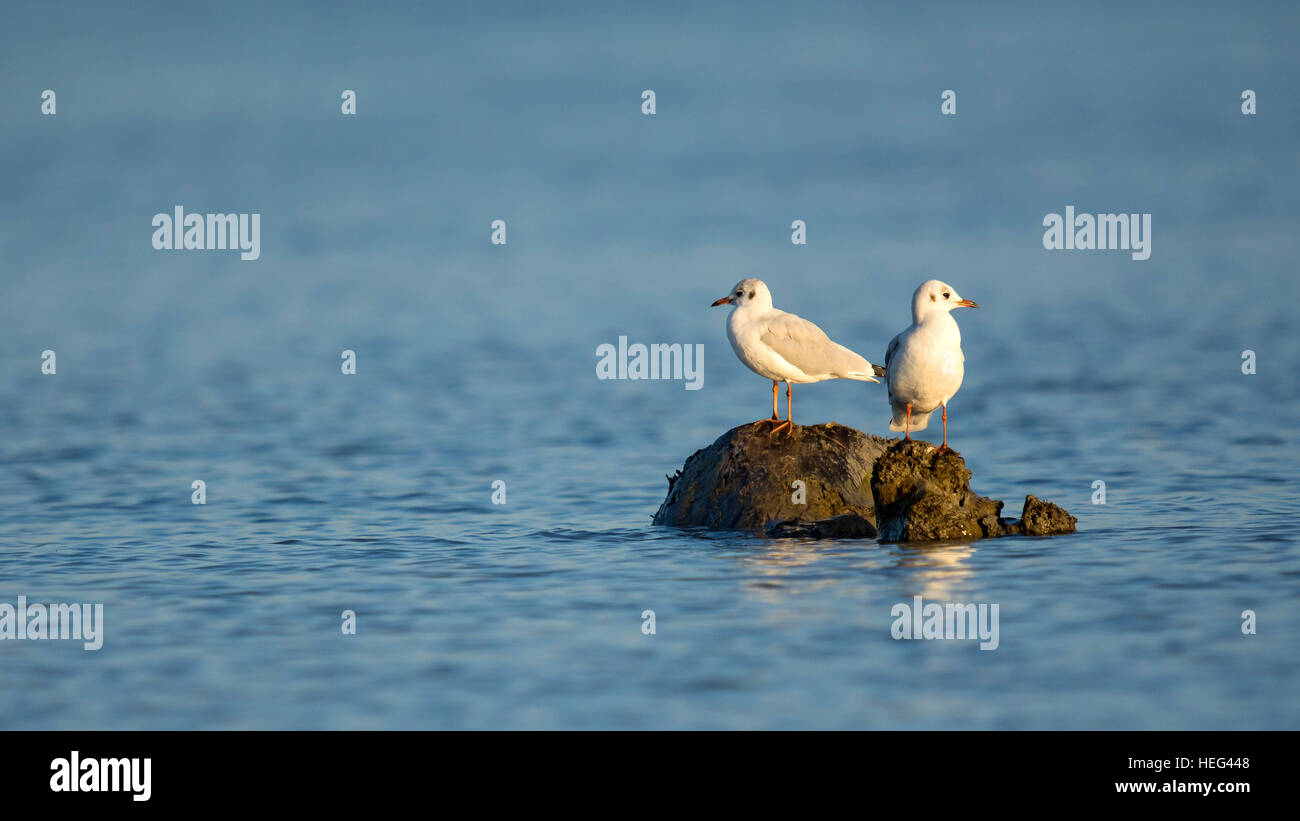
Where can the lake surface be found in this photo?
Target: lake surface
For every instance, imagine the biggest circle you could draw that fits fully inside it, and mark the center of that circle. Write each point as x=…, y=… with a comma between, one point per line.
x=476, y=362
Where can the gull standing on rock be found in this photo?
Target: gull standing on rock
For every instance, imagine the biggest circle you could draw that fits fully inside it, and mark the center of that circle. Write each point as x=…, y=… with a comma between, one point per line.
x=925, y=364
x=786, y=348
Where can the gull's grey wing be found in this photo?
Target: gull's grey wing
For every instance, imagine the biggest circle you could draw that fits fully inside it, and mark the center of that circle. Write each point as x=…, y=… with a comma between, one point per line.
x=808, y=348
x=889, y=362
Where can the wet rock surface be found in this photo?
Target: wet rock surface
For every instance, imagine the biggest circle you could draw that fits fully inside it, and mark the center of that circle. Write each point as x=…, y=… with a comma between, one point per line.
x=833, y=482
x=846, y=526
x=745, y=479
x=923, y=494
x=1041, y=518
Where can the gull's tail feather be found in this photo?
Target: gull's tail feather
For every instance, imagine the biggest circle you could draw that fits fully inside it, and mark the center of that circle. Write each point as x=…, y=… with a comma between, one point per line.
x=899, y=423
x=856, y=366
x=879, y=371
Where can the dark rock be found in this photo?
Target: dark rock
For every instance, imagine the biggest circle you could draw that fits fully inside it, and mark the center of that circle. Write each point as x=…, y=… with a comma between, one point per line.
x=909, y=489
x=1041, y=518
x=744, y=479
x=846, y=526
x=923, y=494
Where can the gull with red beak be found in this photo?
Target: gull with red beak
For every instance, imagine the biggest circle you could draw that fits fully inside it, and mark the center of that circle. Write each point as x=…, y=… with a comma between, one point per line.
x=786, y=348
x=925, y=364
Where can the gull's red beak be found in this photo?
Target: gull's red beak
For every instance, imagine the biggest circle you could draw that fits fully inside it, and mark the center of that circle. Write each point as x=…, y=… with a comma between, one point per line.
x=966, y=303
x=726, y=300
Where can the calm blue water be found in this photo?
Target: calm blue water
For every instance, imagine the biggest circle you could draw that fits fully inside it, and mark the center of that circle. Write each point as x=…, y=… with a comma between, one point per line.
x=476, y=362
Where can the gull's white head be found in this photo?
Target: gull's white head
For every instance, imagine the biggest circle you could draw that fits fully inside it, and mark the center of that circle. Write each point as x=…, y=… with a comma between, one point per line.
x=748, y=294
x=935, y=296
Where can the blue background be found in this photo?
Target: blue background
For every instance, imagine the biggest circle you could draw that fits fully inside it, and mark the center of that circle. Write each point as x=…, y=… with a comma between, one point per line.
x=477, y=362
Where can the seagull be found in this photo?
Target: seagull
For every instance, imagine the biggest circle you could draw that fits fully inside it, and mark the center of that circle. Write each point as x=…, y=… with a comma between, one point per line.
x=786, y=348
x=925, y=364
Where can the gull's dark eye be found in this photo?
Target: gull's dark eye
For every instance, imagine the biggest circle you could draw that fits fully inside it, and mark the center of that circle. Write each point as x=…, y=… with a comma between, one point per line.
x=946, y=294
x=740, y=293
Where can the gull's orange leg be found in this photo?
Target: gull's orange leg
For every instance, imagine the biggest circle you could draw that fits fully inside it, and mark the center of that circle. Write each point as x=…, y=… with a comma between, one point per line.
x=788, y=424
x=944, y=446
x=907, y=437
x=776, y=417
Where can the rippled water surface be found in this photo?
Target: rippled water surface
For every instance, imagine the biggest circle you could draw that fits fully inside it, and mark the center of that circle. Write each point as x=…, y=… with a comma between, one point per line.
x=476, y=363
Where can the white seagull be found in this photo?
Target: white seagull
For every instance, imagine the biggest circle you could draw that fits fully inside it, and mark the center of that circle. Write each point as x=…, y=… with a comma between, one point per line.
x=786, y=348
x=925, y=364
